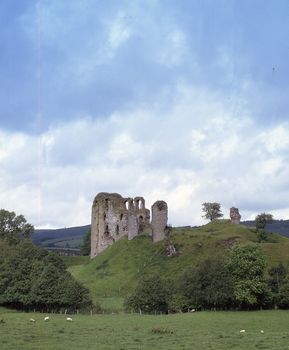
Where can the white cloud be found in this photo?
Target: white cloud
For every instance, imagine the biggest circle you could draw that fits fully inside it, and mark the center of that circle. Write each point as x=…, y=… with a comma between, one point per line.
x=119, y=31
x=174, y=49
x=197, y=151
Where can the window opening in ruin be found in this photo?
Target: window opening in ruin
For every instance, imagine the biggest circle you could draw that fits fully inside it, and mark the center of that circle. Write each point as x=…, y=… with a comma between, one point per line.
x=121, y=216
x=106, y=232
x=104, y=216
x=137, y=204
x=117, y=229
x=126, y=205
x=140, y=224
x=106, y=203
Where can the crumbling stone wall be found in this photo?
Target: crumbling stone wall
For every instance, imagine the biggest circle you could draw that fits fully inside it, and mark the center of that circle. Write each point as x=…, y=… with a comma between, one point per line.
x=159, y=220
x=113, y=216
x=235, y=216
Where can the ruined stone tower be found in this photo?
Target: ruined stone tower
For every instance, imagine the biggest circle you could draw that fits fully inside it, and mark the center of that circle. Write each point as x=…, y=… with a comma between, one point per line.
x=235, y=216
x=159, y=220
x=113, y=217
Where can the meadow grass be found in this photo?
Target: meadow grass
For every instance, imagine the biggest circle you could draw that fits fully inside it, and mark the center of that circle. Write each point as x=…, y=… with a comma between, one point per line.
x=198, y=331
x=113, y=274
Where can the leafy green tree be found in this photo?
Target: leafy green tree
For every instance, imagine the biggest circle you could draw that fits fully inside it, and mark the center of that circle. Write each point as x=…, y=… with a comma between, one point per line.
x=85, y=248
x=247, y=267
x=151, y=295
x=177, y=302
x=13, y=227
x=283, y=296
x=261, y=221
x=277, y=275
x=277, y=278
x=31, y=278
x=212, y=211
x=208, y=285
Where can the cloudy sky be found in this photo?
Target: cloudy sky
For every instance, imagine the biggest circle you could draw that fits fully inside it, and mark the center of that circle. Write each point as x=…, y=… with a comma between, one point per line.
x=185, y=101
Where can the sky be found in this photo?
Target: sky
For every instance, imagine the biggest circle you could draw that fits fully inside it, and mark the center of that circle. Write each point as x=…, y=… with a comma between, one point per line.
x=184, y=101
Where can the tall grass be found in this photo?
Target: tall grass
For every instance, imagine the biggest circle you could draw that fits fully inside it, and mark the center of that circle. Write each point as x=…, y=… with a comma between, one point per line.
x=198, y=331
x=113, y=274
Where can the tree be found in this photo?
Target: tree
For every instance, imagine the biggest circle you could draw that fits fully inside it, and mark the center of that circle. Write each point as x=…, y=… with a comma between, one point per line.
x=278, y=284
x=247, y=267
x=151, y=295
x=262, y=220
x=283, y=297
x=85, y=248
x=208, y=285
x=277, y=274
x=212, y=211
x=32, y=278
x=14, y=227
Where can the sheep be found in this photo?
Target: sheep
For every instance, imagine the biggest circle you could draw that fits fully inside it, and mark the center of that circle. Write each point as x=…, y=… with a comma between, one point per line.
x=68, y=319
x=46, y=318
x=261, y=331
x=242, y=331
x=32, y=320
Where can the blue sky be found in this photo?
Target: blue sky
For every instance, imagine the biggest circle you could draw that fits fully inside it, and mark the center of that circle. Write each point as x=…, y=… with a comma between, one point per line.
x=184, y=101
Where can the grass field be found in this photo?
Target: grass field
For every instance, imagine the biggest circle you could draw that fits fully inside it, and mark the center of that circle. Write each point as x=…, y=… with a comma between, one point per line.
x=198, y=331
x=114, y=273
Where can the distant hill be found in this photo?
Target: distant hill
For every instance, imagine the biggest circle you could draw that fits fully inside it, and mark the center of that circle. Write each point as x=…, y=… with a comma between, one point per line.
x=277, y=226
x=72, y=237
x=115, y=272
x=62, y=238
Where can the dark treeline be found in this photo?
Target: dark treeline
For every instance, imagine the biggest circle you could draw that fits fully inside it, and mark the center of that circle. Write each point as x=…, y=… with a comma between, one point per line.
x=32, y=278
x=238, y=281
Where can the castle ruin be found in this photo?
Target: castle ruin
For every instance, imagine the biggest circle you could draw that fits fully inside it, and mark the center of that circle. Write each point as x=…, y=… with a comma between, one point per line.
x=235, y=216
x=159, y=220
x=113, y=217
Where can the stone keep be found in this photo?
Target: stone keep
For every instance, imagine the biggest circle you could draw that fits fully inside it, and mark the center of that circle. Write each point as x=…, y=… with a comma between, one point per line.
x=235, y=216
x=159, y=220
x=113, y=217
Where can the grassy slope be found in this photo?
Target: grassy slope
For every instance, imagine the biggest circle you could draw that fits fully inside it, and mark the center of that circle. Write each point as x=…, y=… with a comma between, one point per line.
x=115, y=272
x=198, y=331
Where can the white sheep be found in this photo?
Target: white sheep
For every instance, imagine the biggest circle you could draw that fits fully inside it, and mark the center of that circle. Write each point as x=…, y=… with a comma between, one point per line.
x=242, y=331
x=261, y=331
x=68, y=319
x=46, y=318
x=32, y=320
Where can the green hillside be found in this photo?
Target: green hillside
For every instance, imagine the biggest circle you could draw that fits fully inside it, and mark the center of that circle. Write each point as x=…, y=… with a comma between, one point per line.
x=115, y=272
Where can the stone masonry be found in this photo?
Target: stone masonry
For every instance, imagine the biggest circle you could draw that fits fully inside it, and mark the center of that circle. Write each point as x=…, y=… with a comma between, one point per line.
x=159, y=220
x=235, y=216
x=113, y=217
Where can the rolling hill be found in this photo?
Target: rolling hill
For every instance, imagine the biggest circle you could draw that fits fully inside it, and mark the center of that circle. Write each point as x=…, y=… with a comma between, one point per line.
x=72, y=237
x=277, y=226
x=63, y=238
x=114, y=273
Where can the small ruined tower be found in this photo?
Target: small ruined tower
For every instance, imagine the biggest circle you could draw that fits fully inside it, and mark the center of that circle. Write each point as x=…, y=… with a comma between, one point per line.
x=159, y=220
x=235, y=216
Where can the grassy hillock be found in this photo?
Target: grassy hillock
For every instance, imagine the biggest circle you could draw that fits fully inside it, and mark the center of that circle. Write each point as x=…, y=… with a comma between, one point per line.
x=114, y=273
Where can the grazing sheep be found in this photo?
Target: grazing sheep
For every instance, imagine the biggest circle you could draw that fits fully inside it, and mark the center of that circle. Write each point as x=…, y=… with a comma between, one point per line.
x=32, y=320
x=262, y=331
x=68, y=319
x=46, y=318
x=242, y=331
